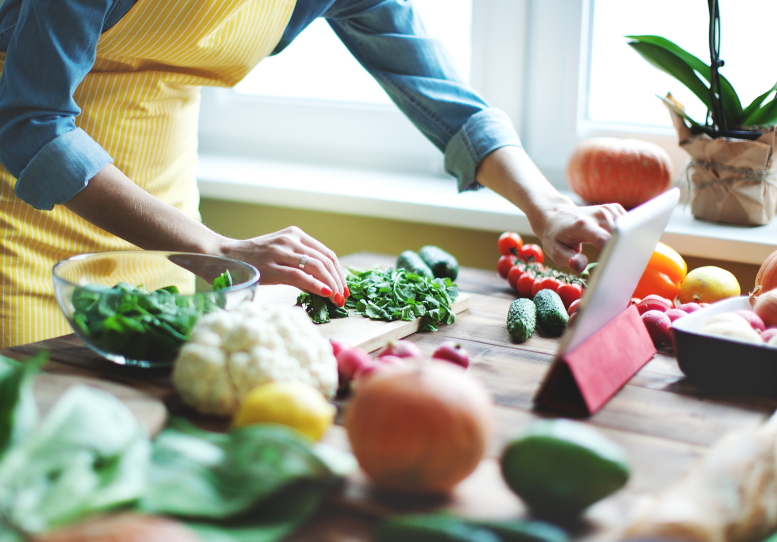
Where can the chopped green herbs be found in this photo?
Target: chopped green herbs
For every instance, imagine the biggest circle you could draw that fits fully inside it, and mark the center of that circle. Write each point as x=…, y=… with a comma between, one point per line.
x=140, y=325
x=389, y=295
x=223, y=281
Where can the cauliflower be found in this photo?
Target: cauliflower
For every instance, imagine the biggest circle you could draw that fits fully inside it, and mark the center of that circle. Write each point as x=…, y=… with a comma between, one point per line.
x=230, y=353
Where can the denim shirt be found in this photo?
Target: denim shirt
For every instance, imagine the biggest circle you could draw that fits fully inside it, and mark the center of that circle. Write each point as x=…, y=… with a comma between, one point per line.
x=51, y=45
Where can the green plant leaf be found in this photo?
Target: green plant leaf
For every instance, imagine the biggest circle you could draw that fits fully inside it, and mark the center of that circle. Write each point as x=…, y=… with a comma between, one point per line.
x=763, y=116
x=18, y=412
x=731, y=103
x=752, y=111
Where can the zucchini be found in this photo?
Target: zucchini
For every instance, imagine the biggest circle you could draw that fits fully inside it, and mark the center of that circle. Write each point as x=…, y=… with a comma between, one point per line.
x=442, y=264
x=413, y=263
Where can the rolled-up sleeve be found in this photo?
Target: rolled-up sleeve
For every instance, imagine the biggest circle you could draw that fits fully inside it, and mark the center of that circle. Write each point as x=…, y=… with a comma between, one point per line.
x=51, y=50
x=388, y=38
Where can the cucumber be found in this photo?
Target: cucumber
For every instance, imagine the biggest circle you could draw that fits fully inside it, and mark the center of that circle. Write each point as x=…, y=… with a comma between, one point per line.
x=521, y=319
x=431, y=528
x=413, y=263
x=552, y=317
x=442, y=264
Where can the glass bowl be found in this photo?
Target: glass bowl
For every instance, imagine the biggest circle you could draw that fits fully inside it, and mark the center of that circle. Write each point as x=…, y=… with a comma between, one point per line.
x=138, y=307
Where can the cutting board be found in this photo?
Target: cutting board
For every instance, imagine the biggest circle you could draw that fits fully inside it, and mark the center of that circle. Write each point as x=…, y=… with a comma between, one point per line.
x=358, y=331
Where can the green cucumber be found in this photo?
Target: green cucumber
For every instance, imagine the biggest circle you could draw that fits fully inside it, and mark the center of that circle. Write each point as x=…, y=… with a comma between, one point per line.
x=552, y=317
x=413, y=263
x=442, y=264
x=521, y=319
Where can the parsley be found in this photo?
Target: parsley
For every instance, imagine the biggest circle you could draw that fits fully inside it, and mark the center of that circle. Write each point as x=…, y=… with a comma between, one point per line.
x=389, y=295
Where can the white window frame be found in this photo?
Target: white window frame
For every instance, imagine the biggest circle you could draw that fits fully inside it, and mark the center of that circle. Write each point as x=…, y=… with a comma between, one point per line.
x=365, y=135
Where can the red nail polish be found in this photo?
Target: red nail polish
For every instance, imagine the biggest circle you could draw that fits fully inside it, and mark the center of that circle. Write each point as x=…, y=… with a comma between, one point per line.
x=326, y=291
x=347, y=292
x=339, y=300
x=342, y=302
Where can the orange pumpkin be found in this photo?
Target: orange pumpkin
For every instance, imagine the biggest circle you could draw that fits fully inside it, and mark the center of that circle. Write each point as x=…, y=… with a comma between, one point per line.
x=625, y=171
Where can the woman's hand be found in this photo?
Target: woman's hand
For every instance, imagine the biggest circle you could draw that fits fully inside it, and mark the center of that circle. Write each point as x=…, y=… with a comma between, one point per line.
x=561, y=226
x=291, y=256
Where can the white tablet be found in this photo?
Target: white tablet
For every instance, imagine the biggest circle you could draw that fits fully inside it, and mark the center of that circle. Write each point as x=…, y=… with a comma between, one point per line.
x=621, y=264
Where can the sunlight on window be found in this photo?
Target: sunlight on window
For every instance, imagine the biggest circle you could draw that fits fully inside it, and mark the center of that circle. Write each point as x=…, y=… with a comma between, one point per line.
x=623, y=86
x=318, y=66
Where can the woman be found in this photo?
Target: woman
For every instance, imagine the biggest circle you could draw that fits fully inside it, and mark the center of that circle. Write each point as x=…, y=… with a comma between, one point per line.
x=98, y=115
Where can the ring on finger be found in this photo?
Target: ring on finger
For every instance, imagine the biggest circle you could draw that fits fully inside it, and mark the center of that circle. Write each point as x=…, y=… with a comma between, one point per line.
x=303, y=261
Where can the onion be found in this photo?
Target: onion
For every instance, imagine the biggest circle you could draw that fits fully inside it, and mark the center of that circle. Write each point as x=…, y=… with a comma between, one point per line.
x=766, y=307
x=766, y=279
x=419, y=429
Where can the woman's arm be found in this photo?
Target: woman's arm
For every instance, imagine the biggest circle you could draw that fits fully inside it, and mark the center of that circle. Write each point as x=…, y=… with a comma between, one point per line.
x=114, y=203
x=561, y=225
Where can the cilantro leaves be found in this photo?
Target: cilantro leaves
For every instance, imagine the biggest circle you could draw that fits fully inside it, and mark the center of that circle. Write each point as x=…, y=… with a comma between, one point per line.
x=389, y=295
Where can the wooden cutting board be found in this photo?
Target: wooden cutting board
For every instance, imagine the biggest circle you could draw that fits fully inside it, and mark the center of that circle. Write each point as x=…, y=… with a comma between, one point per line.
x=358, y=331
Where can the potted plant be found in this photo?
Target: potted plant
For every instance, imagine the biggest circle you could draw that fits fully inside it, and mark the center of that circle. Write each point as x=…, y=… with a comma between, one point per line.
x=732, y=176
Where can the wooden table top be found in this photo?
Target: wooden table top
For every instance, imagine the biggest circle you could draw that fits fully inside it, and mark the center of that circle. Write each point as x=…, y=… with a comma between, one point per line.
x=663, y=421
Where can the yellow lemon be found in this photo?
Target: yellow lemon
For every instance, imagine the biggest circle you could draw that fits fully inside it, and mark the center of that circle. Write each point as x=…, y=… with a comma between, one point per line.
x=707, y=285
x=290, y=403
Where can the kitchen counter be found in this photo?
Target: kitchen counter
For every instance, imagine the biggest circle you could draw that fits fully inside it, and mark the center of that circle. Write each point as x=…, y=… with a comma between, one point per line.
x=663, y=420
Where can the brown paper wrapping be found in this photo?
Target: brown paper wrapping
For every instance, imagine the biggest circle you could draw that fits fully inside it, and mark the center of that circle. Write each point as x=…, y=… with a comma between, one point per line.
x=731, y=180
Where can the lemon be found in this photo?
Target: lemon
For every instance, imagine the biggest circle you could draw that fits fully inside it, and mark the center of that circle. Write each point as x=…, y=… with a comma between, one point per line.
x=562, y=467
x=707, y=285
x=290, y=403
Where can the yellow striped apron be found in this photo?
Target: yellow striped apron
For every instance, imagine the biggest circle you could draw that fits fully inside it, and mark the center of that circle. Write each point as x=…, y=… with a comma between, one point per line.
x=140, y=102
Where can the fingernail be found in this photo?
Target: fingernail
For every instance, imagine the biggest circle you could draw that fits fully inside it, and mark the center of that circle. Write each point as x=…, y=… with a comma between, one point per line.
x=347, y=292
x=326, y=291
x=339, y=300
x=342, y=302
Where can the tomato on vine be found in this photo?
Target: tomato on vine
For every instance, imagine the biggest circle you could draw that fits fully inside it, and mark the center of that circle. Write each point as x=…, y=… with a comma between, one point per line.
x=569, y=292
x=531, y=251
x=504, y=264
x=515, y=273
x=509, y=243
x=525, y=284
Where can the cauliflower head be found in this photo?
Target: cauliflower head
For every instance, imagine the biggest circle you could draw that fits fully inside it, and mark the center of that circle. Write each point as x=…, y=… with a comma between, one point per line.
x=230, y=353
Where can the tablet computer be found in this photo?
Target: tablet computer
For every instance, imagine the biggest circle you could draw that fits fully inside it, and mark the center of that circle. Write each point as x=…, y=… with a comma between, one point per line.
x=621, y=264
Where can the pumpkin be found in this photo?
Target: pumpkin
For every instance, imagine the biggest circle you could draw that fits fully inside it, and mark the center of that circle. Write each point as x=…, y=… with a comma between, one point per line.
x=625, y=171
x=420, y=429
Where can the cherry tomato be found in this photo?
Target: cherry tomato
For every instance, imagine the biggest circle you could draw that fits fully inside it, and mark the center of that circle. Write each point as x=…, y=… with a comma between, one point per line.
x=512, y=277
x=569, y=293
x=525, y=284
x=573, y=307
x=531, y=251
x=536, y=287
x=550, y=283
x=509, y=243
x=503, y=266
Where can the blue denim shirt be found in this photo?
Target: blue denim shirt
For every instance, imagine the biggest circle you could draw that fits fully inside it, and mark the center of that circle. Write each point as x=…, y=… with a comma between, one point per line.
x=50, y=46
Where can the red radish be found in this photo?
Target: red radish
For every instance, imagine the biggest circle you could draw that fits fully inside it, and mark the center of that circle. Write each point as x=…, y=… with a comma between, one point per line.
x=689, y=307
x=337, y=346
x=634, y=301
x=377, y=364
x=674, y=314
x=401, y=349
x=452, y=352
x=658, y=327
x=653, y=303
x=769, y=334
x=753, y=319
x=349, y=361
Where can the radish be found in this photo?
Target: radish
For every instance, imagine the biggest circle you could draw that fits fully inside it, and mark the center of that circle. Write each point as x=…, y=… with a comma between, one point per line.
x=349, y=361
x=401, y=349
x=753, y=319
x=658, y=327
x=452, y=352
x=674, y=314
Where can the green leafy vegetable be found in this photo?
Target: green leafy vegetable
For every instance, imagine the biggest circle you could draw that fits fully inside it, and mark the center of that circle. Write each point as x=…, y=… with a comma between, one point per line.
x=223, y=281
x=140, y=325
x=18, y=412
x=389, y=295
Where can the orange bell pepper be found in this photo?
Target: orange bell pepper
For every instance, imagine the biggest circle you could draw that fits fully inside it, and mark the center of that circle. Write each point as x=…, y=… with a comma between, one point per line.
x=664, y=273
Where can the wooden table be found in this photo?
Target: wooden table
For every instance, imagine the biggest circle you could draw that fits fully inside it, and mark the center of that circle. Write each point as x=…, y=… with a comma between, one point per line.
x=663, y=421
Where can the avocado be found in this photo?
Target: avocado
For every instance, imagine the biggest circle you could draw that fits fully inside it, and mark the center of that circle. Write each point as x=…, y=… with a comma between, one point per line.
x=521, y=319
x=413, y=263
x=442, y=264
x=552, y=317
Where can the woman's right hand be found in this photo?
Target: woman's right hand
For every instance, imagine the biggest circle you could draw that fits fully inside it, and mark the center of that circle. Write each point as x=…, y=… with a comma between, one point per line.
x=293, y=257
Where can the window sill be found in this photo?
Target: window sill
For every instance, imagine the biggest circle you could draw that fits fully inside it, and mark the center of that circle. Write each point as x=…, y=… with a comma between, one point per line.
x=434, y=200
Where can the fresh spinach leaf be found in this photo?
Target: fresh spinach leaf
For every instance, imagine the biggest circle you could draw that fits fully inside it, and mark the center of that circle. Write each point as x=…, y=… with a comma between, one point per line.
x=18, y=412
x=223, y=281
